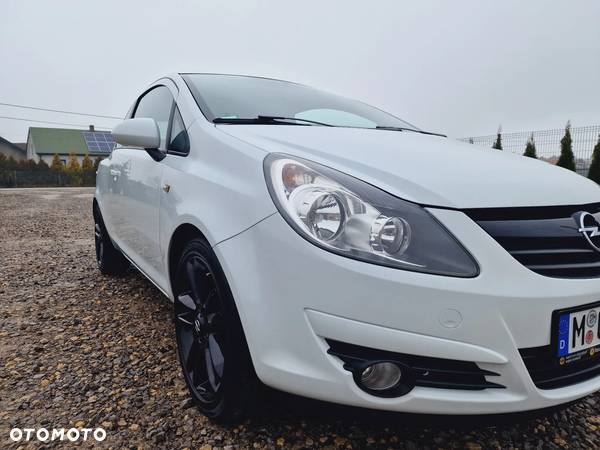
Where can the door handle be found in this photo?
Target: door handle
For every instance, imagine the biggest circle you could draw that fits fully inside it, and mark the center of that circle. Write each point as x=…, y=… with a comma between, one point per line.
x=115, y=173
x=166, y=188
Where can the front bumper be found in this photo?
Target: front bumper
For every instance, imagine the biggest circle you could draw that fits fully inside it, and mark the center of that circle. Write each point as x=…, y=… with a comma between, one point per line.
x=292, y=296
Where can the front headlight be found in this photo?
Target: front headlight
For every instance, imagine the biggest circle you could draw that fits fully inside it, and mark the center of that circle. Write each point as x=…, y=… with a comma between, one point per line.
x=355, y=219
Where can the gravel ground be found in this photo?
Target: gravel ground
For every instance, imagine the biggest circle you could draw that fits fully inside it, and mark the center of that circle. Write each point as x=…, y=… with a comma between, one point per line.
x=80, y=349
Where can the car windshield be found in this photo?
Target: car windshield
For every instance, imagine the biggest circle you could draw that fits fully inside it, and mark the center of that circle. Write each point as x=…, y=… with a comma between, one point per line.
x=233, y=97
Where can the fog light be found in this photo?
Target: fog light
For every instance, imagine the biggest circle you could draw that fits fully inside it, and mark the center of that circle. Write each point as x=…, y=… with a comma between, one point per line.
x=381, y=376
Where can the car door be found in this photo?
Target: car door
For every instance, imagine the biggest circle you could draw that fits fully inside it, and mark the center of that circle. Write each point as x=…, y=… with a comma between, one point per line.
x=141, y=178
x=111, y=185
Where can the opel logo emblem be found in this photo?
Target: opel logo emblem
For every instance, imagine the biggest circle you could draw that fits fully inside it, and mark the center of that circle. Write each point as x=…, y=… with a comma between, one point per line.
x=589, y=227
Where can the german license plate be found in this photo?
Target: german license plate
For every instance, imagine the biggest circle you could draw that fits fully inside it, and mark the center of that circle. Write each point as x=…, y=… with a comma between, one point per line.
x=577, y=333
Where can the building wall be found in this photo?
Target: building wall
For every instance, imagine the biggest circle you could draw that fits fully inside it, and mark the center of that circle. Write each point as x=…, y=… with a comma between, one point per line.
x=64, y=158
x=9, y=150
x=31, y=149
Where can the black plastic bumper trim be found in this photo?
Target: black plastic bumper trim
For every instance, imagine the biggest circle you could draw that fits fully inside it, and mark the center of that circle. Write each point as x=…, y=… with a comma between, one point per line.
x=424, y=371
x=546, y=373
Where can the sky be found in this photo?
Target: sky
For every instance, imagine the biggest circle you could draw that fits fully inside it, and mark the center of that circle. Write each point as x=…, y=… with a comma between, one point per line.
x=460, y=67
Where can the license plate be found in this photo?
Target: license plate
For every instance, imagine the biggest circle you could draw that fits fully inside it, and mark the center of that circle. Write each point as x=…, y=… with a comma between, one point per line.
x=577, y=333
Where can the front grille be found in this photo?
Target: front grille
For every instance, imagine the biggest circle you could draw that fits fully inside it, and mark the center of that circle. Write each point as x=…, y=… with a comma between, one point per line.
x=547, y=374
x=425, y=371
x=545, y=240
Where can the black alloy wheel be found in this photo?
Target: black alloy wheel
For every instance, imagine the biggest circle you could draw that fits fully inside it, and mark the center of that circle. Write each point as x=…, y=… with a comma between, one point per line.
x=210, y=341
x=199, y=326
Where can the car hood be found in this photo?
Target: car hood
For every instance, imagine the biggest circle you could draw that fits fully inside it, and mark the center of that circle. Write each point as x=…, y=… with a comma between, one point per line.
x=429, y=170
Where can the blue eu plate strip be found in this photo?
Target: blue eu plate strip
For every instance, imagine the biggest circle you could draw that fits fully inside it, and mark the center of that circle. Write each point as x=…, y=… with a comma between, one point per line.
x=563, y=335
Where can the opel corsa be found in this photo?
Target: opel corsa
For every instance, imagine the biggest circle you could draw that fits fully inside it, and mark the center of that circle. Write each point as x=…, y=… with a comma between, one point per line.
x=326, y=248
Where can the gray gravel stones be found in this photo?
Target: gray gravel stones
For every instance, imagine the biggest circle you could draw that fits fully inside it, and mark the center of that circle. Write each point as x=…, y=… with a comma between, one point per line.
x=80, y=349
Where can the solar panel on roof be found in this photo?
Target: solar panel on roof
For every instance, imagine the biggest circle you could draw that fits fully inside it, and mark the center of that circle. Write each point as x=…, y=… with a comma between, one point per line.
x=99, y=141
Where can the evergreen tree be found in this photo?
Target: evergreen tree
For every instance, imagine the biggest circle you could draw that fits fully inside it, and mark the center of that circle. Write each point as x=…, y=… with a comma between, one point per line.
x=57, y=164
x=97, y=162
x=30, y=164
x=498, y=144
x=11, y=163
x=74, y=170
x=530, y=148
x=73, y=165
x=88, y=175
x=86, y=164
x=43, y=165
x=594, y=173
x=567, y=158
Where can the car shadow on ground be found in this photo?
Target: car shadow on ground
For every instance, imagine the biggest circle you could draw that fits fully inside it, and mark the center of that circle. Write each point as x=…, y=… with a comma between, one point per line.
x=284, y=407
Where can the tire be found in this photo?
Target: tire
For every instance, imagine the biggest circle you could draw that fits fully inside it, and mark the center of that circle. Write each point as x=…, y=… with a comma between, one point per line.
x=110, y=260
x=211, y=344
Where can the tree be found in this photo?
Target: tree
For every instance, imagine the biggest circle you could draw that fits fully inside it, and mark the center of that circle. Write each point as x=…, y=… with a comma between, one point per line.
x=97, y=162
x=56, y=164
x=530, y=148
x=11, y=163
x=567, y=158
x=74, y=170
x=498, y=144
x=30, y=164
x=43, y=165
x=86, y=164
x=73, y=165
x=594, y=173
x=88, y=175
x=2, y=161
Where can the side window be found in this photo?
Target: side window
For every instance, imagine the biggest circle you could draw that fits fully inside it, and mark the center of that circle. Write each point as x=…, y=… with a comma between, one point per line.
x=157, y=104
x=179, y=142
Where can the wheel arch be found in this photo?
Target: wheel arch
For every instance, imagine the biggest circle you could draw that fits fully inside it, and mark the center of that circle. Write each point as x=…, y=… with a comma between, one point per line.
x=180, y=237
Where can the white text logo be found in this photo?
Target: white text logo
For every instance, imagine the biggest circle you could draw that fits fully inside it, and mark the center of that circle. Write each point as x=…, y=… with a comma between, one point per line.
x=57, y=434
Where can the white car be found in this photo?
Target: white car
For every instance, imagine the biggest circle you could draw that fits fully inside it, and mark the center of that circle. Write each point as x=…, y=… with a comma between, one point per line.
x=332, y=250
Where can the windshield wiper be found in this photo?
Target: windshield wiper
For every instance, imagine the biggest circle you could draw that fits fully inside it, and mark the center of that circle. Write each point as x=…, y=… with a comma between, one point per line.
x=379, y=127
x=277, y=120
x=281, y=120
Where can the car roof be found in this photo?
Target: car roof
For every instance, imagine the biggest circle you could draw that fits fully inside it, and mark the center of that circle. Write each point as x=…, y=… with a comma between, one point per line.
x=237, y=75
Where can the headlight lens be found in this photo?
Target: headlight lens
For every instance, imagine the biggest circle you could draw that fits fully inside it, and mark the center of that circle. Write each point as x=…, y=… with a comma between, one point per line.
x=355, y=219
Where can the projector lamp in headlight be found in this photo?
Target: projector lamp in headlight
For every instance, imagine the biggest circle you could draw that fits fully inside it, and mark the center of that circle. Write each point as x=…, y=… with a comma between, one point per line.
x=390, y=235
x=321, y=211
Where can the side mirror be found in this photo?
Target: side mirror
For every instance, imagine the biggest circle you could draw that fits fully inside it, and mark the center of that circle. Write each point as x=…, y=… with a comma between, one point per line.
x=141, y=132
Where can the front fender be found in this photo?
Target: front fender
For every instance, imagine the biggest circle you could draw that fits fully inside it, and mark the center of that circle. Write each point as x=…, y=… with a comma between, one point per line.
x=220, y=189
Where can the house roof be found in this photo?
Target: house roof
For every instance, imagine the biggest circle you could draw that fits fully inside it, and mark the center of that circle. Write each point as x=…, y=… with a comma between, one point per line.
x=64, y=141
x=9, y=148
